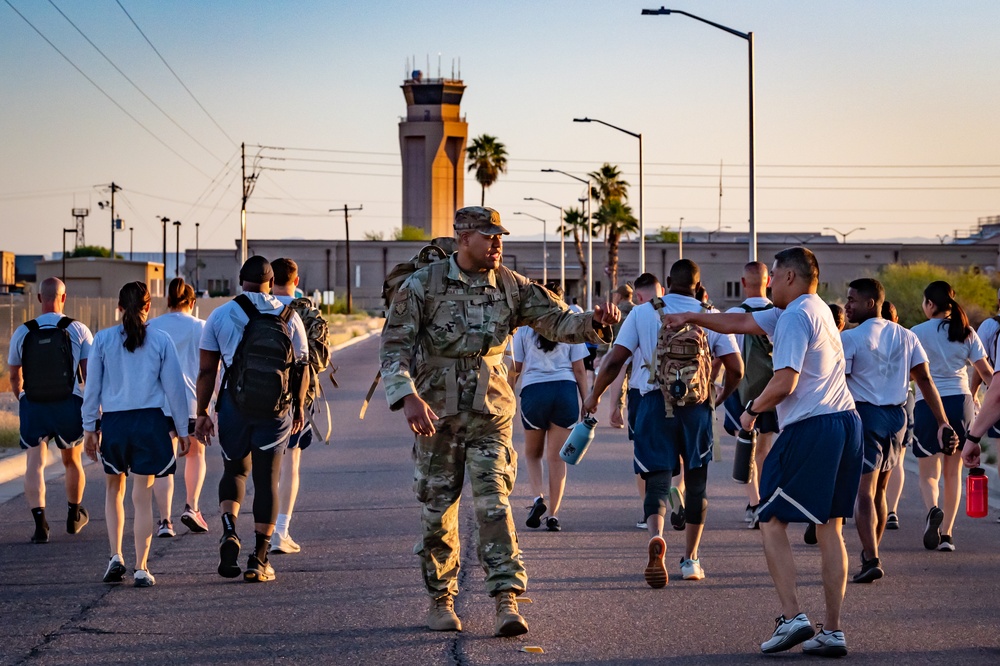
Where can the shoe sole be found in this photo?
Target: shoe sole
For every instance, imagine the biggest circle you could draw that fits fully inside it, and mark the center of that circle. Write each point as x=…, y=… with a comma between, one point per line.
x=950, y=548
x=656, y=571
x=143, y=582
x=256, y=576
x=229, y=555
x=166, y=535
x=892, y=526
x=535, y=516
x=800, y=635
x=827, y=651
x=932, y=534
x=116, y=574
x=193, y=525
x=512, y=628
x=869, y=576
x=36, y=539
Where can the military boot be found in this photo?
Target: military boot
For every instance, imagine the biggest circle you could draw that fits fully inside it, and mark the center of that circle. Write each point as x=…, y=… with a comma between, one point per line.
x=441, y=616
x=509, y=621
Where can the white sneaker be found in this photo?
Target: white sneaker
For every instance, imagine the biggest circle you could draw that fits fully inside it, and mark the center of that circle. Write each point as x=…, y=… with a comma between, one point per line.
x=115, y=573
x=691, y=570
x=826, y=644
x=143, y=578
x=748, y=515
x=788, y=633
x=285, y=545
x=165, y=529
x=641, y=525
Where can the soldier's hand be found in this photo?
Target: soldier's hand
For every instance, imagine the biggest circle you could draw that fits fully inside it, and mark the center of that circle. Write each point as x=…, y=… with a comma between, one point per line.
x=607, y=314
x=419, y=415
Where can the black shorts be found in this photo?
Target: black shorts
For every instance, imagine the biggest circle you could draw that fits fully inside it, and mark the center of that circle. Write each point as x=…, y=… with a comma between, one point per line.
x=138, y=441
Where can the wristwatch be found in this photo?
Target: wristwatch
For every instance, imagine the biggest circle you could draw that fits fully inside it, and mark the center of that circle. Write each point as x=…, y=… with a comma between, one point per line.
x=973, y=439
x=749, y=410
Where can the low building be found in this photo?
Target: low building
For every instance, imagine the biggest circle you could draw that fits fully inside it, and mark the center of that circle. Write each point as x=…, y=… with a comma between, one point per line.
x=100, y=277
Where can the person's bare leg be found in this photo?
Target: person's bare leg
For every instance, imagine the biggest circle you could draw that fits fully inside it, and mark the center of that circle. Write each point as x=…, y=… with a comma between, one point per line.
x=288, y=484
x=34, y=476
x=833, y=555
x=864, y=515
x=654, y=524
x=781, y=565
x=534, y=447
x=163, y=493
x=76, y=480
x=142, y=502
x=930, y=474
x=894, y=490
x=881, y=505
x=556, y=467
x=692, y=539
x=194, y=473
x=952, y=495
x=763, y=448
x=114, y=511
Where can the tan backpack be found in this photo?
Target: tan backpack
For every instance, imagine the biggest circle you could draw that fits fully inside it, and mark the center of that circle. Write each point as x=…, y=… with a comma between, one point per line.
x=682, y=365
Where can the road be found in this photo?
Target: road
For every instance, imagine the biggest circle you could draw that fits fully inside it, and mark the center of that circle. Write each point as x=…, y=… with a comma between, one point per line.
x=354, y=595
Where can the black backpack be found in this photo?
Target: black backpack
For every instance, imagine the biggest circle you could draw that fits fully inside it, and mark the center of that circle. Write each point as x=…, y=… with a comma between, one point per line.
x=757, y=362
x=258, y=379
x=47, y=362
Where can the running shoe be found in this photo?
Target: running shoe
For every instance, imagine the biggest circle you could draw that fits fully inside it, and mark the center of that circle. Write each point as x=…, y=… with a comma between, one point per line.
x=41, y=535
x=826, y=644
x=165, y=529
x=677, y=519
x=641, y=524
x=552, y=524
x=656, y=570
x=116, y=570
x=193, y=520
x=229, y=553
x=809, y=536
x=788, y=633
x=754, y=523
x=257, y=571
x=76, y=519
x=143, y=578
x=691, y=570
x=283, y=544
x=892, y=521
x=946, y=545
x=535, y=514
x=871, y=571
x=932, y=528
x=748, y=514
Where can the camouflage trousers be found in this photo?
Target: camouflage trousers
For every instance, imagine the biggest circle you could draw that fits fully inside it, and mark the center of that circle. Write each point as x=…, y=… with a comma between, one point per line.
x=481, y=444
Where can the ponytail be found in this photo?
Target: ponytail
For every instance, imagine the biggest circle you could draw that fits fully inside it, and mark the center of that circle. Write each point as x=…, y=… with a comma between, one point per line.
x=179, y=294
x=544, y=343
x=942, y=297
x=133, y=299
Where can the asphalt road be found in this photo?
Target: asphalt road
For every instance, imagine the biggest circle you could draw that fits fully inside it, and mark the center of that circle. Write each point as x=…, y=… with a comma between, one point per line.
x=354, y=595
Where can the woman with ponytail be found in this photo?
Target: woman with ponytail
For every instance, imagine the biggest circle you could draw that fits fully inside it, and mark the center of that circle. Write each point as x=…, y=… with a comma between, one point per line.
x=185, y=332
x=133, y=371
x=951, y=346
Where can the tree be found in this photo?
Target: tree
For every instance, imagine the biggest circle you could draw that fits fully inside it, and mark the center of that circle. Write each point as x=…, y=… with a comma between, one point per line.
x=91, y=251
x=408, y=233
x=374, y=235
x=608, y=185
x=488, y=158
x=575, y=225
x=904, y=286
x=665, y=235
x=613, y=219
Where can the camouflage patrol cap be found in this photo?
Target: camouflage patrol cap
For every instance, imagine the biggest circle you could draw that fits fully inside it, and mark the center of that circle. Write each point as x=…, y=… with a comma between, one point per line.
x=476, y=218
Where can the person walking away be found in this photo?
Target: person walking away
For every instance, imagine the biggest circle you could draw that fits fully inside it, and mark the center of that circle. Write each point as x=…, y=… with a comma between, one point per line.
x=552, y=376
x=441, y=361
x=989, y=334
x=897, y=476
x=669, y=435
x=622, y=298
x=813, y=471
x=48, y=365
x=951, y=346
x=185, y=332
x=133, y=371
x=260, y=342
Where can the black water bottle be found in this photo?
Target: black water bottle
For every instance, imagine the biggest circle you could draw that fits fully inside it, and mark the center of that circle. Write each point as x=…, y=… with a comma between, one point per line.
x=948, y=443
x=746, y=445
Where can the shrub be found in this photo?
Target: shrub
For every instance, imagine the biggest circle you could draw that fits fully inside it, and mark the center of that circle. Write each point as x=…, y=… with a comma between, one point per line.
x=904, y=286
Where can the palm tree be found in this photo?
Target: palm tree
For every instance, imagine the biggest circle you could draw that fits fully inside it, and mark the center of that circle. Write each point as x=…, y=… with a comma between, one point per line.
x=614, y=218
x=575, y=224
x=608, y=184
x=488, y=158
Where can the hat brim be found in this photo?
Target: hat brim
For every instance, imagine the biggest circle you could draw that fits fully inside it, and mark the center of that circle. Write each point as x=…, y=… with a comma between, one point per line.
x=493, y=230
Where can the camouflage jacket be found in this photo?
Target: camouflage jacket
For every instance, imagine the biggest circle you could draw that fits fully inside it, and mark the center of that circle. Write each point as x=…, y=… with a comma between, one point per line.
x=446, y=331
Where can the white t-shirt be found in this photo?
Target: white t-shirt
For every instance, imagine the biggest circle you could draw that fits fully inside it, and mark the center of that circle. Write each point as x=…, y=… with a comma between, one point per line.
x=540, y=366
x=752, y=302
x=642, y=326
x=185, y=332
x=79, y=335
x=948, y=360
x=806, y=340
x=224, y=327
x=879, y=356
x=987, y=333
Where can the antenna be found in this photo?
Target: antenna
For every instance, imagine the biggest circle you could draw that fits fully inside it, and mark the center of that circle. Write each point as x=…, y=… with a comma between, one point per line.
x=428, y=65
x=439, y=64
x=459, y=67
x=453, y=68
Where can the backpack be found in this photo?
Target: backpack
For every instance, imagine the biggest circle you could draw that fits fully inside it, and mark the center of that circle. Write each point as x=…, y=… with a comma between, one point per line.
x=682, y=365
x=47, y=362
x=991, y=344
x=317, y=333
x=258, y=379
x=757, y=363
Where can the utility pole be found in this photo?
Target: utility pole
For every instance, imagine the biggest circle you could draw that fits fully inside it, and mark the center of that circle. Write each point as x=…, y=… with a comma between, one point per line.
x=163, y=221
x=197, y=258
x=114, y=221
x=248, y=185
x=347, y=249
x=177, y=250
x=66, y=231
x=130, y=235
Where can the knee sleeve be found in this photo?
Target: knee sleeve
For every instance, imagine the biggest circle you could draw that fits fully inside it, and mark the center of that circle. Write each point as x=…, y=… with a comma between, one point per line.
x=233, y=484
x=657, y=494
x=266, y=470
x=695, y=496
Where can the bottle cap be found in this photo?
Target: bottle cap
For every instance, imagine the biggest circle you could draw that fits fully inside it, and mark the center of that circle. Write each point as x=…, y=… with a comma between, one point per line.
x=977, y=471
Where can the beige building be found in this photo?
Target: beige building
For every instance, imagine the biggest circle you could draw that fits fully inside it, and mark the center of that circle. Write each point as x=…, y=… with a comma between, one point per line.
x=7, y=271
x=99, y=277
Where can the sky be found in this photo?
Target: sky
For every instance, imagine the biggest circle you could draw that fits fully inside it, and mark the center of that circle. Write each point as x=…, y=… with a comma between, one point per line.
x=873, y=115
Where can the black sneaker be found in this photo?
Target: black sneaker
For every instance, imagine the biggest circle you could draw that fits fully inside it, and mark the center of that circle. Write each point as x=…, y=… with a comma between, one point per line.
x=229, y=554
x=552, y=524
x=946, y=545
x=810, y=535
x=932, y=528
x=76, y=519
x=871, y=570
x=41, y=535
x=537, y=511
x=677, y=519
x=257, y=571
x=892, y=521
x=116, y=570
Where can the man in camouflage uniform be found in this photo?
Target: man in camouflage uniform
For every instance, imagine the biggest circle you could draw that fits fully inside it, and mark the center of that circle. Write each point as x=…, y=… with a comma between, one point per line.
x=442, y=363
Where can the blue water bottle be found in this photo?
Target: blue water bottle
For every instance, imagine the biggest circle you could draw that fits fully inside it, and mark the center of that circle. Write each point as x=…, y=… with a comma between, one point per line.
x=579, y=439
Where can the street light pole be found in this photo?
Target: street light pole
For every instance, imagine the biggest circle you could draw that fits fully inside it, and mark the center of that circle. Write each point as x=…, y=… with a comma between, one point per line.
x=590, y=237
x=177, y=250
x=562, y=242
x=680, y=240
x=642, y=233
x=347, y=250
x=843, y=235
x=748, y=36
x=545, y=247
x=197, y=258
x=65, y=231
x=130, y=238
x=163, y=221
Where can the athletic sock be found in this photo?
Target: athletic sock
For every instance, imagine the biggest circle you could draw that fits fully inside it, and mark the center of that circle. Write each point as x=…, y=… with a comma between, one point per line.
x=39, y=515
x=229, y=524
x=262, y=546
x=281, y=525
x=75, y=508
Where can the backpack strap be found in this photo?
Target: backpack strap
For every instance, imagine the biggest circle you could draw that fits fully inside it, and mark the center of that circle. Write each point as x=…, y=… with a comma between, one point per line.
x=286, y=314
x=657, y=303
x=510, y=288
x=31, y=325
x=64, y=323
x=247, y=306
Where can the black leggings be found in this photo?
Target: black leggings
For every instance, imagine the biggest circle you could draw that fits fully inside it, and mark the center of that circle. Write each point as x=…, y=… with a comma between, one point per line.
x=695, y=497
x=266, y=467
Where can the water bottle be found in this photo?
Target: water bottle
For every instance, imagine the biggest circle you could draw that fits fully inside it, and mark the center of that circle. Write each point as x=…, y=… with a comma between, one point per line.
x=579, y=439
x=977, y=494
x=746, y=444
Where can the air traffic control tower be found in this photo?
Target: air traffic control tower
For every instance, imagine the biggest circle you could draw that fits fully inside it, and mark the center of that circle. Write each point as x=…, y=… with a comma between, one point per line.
x=432, y=145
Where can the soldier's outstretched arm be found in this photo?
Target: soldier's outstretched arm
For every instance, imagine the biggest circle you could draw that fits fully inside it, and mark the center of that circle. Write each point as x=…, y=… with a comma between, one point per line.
x=540, y=310
x=737, y=322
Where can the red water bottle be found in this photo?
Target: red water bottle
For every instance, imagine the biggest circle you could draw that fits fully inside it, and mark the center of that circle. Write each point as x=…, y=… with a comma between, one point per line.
x=977, y=493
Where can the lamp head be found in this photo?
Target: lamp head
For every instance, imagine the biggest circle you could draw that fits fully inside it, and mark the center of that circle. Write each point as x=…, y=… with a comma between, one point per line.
x=655, y=12
x=548, y=170
x=581, y=120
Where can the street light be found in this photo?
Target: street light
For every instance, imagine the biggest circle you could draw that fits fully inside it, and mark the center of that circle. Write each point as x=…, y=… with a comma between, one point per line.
x=562, y=242
x=177, y=250
x=130, y=238
x=545, y=247
x=748, y=36
x=718, y=230
x=842, y=234
x=65, y=231
x=590, y=237
x=163, y=221
x=642, y=234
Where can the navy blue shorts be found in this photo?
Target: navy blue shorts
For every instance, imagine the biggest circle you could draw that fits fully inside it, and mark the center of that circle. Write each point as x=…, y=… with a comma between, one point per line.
x=549, y=404
x=137, y=441
x=733, y=407
x=239, y=434
x=660, y=443
x=302, y=439
x=60, y=421
x=960, y=411
x=813, y=470
x=632, y=398
x=884, y=428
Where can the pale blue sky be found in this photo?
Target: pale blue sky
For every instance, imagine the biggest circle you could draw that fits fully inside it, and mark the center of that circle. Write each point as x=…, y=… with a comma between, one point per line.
x=869, y=114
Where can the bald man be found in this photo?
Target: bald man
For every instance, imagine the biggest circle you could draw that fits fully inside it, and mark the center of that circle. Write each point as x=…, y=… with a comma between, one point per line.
x=48, y=365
